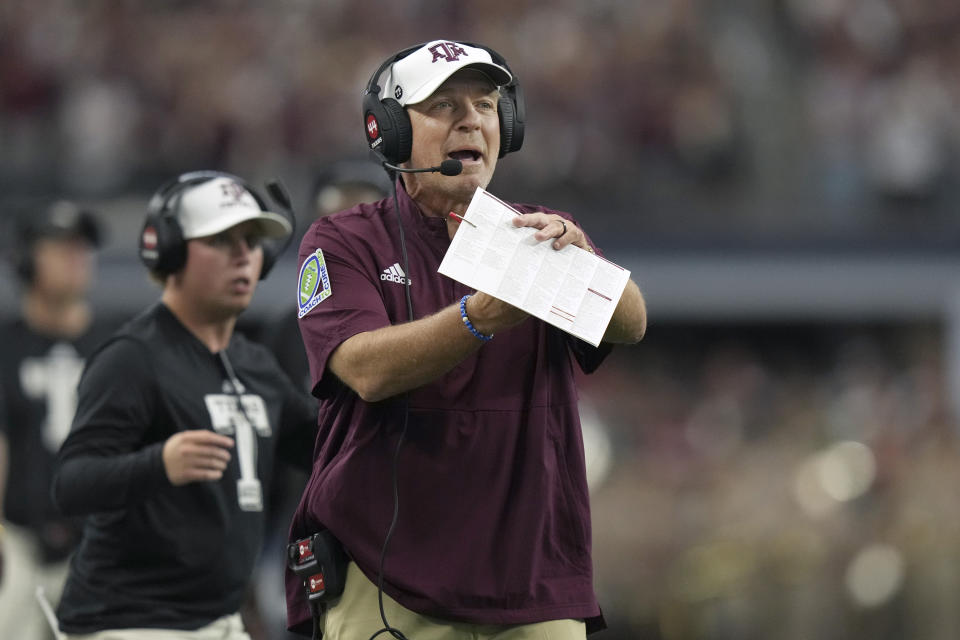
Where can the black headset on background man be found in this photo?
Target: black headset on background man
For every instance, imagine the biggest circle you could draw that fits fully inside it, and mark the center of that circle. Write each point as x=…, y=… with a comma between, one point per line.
x=162, y=247
x=393, y=127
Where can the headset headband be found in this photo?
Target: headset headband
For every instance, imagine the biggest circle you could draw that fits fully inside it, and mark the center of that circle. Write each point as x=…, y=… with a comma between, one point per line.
x=164, y=196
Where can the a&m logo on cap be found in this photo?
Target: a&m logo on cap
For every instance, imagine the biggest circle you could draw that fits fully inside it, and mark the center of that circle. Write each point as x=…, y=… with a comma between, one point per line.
x=449, y=51
x=232, y=194
x=314, y=285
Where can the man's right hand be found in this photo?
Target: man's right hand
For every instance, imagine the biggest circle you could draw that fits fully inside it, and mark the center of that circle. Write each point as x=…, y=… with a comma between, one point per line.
x=488, y=314
x=196, y=456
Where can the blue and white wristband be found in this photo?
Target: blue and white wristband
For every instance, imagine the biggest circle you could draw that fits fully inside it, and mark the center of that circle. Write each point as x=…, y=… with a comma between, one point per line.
x=468, y=324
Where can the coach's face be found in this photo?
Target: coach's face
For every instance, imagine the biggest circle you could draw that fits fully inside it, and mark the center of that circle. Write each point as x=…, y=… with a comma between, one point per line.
x=222, y=270
x=458, y=121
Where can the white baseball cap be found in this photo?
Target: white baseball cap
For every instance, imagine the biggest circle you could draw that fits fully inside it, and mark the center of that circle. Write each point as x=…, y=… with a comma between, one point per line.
x=415, y=77
x=218, y=204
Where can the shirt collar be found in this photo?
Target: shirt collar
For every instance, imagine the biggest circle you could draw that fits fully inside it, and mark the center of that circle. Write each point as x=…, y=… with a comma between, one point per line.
x=429, y=228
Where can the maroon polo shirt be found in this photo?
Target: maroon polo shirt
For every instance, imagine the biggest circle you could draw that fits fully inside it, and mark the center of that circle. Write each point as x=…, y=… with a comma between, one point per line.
x=494, y=520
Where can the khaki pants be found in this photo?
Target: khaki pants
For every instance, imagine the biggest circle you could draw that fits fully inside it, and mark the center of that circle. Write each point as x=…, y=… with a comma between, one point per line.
x=23, y=571
x=356, y=616
x=225, y=628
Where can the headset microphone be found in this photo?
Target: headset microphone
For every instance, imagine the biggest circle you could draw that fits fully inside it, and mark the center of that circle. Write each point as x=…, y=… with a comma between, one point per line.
x=449, y=167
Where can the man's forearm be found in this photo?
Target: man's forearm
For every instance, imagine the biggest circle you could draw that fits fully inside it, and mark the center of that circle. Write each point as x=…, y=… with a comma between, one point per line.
x=89, y=484
x=629, y=321
x=382, y=363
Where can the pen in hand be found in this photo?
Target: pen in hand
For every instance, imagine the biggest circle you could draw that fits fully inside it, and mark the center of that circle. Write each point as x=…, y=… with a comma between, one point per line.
x=461, y=219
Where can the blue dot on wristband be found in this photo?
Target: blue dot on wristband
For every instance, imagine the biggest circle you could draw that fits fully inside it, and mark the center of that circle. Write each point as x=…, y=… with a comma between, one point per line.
x=466, y=320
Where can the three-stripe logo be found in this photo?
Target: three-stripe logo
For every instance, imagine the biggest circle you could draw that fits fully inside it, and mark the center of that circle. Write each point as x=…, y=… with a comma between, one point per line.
x=394, y=273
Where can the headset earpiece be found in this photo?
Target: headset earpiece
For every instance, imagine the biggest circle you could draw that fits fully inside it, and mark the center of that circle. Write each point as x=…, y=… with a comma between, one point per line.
x=272, y=247
x=506, y=116
x=512, y=112
x=511, y=108
x=162, y=247
x=387, y=121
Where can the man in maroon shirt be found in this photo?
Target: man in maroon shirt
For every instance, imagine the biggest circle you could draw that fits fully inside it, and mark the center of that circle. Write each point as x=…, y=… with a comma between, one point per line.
x=477, y=437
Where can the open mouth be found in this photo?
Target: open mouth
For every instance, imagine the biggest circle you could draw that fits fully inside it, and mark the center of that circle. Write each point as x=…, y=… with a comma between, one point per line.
x=465, y=155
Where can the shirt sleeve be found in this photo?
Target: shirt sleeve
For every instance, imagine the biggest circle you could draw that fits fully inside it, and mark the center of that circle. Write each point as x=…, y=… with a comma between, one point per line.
x=103, y=464
x=354, y=304
x=588, y=356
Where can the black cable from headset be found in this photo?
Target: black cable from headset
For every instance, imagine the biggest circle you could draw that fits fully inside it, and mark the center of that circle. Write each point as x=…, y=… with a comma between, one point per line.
x=396, y=633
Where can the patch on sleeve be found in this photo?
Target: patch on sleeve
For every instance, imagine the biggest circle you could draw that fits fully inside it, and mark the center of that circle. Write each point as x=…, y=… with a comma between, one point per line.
x=314, y=284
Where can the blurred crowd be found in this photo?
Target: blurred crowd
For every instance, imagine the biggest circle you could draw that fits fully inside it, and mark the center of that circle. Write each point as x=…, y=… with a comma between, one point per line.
x=778, y=482
x=699, y=114
x=749, y=482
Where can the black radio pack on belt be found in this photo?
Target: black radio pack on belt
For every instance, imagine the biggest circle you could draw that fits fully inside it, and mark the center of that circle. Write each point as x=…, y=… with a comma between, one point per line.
x=321, y=564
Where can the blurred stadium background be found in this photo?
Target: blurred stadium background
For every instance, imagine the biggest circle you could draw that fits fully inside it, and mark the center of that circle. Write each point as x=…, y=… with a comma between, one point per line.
x=779, y=458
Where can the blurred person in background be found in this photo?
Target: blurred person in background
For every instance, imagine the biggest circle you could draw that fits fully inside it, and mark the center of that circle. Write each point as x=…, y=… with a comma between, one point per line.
x=180, y=420
x=493, y=535
x=43, y=354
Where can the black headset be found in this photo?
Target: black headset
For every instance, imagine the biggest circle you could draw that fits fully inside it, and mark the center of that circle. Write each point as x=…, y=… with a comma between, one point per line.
x=162, y=247
x=387, y=124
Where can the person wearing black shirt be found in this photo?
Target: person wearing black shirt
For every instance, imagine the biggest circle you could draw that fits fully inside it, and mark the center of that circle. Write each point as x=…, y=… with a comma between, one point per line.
x=44, y=348
x=178, y=425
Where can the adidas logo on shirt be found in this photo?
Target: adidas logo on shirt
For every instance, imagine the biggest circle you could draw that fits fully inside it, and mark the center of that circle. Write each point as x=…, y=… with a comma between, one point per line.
x=395, y=274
